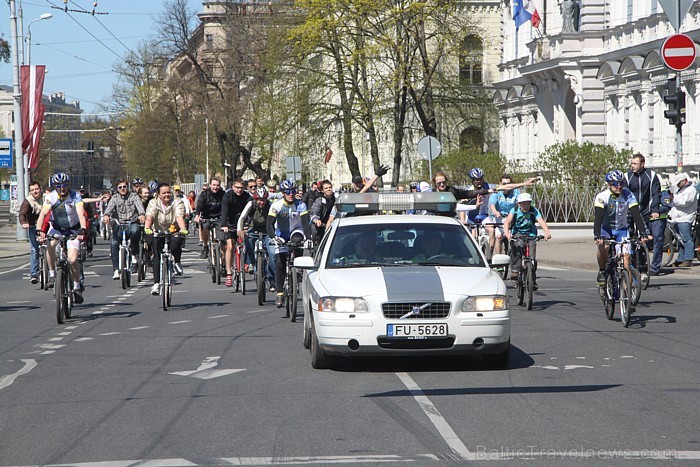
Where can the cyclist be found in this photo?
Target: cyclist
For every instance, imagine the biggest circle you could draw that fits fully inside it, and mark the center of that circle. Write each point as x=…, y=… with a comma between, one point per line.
x=128, y=210
x=254, y=216
x=136, y=185
x=145, y=196
x=645, y=184
x=208, y=212
x=287, y=215
x=500, y=204
x=67, y=218
x=164, y=212
x=28, y=215
x=232, y=206
x=321, y=210
x=441, y=185
x=610, y=222
x=521, y=220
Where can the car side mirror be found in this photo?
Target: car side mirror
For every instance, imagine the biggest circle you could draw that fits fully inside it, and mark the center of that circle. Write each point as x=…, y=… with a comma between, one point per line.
x=497, y=261
x=305, y=263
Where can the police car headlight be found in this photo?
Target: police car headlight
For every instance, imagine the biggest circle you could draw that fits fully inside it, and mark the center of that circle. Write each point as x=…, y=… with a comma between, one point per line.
x=486, y=303
x=343, y=305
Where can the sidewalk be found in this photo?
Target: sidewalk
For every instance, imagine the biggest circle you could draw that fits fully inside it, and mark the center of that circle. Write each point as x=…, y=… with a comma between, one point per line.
x=9, y=246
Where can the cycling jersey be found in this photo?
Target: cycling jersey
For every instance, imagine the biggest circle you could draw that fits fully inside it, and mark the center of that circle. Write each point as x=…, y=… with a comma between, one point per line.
x=615, y=208
x=288, y=217
x=209, y=204
x=478, y=215
x=64, y=213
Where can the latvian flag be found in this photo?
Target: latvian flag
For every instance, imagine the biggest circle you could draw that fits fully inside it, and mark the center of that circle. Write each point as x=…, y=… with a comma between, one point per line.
x=32, y=87
x=524, y=11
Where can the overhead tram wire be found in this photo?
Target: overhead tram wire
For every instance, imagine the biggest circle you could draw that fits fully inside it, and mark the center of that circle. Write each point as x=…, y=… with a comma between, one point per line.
x=102, y=24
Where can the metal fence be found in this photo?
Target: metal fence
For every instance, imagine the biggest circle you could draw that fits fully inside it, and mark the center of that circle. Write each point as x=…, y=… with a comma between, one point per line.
x=564, y=203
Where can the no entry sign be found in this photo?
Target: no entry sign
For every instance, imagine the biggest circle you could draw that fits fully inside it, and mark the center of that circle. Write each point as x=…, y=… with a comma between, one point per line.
x=678, y=52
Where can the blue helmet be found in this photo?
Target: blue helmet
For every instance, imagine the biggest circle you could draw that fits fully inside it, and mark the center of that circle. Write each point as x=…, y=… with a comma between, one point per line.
x=153, y=185
x=476, y=173
x=614, y=176
x=59, y=179
x=288, y=185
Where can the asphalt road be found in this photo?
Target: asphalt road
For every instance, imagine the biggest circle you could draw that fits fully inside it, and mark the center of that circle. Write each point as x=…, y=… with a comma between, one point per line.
x=218, y=380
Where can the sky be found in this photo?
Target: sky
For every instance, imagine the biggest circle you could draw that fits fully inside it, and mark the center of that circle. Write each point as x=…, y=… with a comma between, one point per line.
x=78, y=64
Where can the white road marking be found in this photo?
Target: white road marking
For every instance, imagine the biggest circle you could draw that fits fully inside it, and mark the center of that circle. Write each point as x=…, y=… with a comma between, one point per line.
x=550, y=268
x=576, y=367
x=18, y=302
x=83, y=339
x=206, y=370
x=64, y=333
x=139, y=327
x=546, y=367
x=181, y=322
x=436, y=417
x=627, y=356
x=47, y=352
x=55, y=339
x=51, y=346
x=109, y=333
x=219, y=316
x=98, y=312
x=15, y=269
x=70, y=327
x=7, y=380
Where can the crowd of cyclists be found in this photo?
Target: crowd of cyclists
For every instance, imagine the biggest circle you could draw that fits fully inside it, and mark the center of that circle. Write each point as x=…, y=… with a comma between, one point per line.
x=633, y=203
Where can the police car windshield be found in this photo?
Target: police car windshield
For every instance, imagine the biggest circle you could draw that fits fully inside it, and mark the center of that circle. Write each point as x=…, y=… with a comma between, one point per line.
x=403, y=245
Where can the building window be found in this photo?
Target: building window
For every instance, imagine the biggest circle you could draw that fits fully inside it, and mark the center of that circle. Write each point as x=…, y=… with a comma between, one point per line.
x=471, y=140
x=470, y=60
x=210, y=40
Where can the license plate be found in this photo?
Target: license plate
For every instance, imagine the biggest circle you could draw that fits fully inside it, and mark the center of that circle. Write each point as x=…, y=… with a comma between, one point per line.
x=416, y=331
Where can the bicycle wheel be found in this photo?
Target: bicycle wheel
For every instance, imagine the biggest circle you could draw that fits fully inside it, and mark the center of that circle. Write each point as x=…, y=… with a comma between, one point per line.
x=669, y=249
x=141, y=264
x=243, y=278
x=625, y=297
x=293, y=296
x=529, y=283
x=506, y=251
x=169, y=284
x=68, y=305
x=610, y=296
x=164, y=267
x=260, y=278
x=485, y=248
x=124, y=271
x=643, y=265
x=61, y=302
x=636, y=285
x=236, y=269
x=44, y=271
x=215, y=252
x=521, y=288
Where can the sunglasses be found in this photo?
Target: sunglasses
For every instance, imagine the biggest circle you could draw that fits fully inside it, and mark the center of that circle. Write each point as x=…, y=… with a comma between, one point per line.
x=60, y=185
x=289, y=192
x=121, y=187
x=615, y=183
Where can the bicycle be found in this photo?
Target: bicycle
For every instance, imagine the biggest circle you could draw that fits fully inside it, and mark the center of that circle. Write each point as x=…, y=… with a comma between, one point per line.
x=238, y=266
x=261, y=260
x=63, y=282
x=167, y=273
x=43, y=267
x=639, y=259
x=498, y=227
x=143, y=258
x=618, y=284
x=214, y=265
x=673, y=243
x=526, y=276
x=124, y=254
x=292, y=279
x=482, y=241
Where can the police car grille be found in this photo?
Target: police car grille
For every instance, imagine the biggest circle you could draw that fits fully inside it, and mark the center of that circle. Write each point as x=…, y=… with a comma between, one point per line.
x=433, y=311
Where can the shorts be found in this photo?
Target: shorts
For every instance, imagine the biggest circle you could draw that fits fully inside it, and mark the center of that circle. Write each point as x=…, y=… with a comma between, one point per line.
x=619, y=236
x=219, y=234
x=73, y=244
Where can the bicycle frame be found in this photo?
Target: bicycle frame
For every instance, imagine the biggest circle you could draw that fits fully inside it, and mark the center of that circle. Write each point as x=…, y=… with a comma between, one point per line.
x=166, y=269
x=618, y=283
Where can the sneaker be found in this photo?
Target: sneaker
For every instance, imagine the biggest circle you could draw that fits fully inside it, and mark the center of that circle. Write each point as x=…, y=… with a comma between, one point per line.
x=249, y=269
x=155, y=290
x=600, y=279
x=201, y=243
x=205, y=253
x=535, y=286
x=178, y=268
x=229, y=280
x=52, y=281
x=116, y=275
x=686, y=264
x=34, y=279
x=654, y=273
x=279, y=301
x=78, y=296
x=272, y=287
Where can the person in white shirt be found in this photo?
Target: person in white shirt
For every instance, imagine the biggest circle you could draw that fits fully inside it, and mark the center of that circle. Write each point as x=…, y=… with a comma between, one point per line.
x=682, y=215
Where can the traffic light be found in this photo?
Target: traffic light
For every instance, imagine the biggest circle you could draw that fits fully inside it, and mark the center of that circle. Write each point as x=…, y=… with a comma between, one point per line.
x=676, y=103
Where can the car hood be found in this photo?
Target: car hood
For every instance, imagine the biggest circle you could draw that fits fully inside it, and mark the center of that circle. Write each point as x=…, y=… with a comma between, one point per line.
x=411, y=282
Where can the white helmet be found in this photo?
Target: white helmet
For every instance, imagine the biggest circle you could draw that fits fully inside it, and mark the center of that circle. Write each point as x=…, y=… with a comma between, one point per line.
x=523, y=197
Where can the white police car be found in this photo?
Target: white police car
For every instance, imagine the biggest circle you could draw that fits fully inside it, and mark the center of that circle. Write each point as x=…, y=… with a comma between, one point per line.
x=402, y=284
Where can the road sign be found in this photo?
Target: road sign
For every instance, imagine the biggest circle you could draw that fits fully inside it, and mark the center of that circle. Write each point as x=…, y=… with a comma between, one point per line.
x=5, y=153
x=678, y=52
x=429, y=148
x=293, y=168
x=676, y=10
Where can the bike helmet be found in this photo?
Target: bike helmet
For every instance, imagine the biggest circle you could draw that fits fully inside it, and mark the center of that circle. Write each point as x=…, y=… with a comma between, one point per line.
x=153, y=185
x=288, y=185
x=59, y=179
x=614, y=176
x=260, y=193
x=414, y=185
x=137, y=181
x=476, y=173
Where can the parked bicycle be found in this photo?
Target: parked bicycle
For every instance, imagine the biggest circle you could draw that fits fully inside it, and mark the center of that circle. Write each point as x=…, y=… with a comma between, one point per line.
x=526, y=276
x=673, y=244
x=618, y=284
x=63, y=281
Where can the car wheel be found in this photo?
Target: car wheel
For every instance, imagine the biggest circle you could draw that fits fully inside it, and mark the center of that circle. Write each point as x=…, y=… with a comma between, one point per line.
x=499, y=360
x=307, y=333
x=319, y=359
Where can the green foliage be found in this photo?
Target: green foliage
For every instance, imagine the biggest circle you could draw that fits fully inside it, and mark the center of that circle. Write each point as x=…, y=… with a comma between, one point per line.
x=457, y=165
x=580, y=164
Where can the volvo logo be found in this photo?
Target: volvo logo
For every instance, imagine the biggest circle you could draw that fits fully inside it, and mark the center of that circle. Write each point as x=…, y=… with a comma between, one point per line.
x=415, y=311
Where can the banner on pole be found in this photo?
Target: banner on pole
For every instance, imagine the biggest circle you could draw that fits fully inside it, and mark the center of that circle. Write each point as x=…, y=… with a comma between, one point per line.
x=32, y=88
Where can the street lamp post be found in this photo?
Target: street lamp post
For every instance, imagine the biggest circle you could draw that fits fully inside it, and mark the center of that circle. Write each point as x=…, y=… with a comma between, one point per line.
x=29, y=34
x=17, y=113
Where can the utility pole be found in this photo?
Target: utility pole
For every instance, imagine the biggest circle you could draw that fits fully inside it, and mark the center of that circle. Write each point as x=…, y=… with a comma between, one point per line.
x=17, y=111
